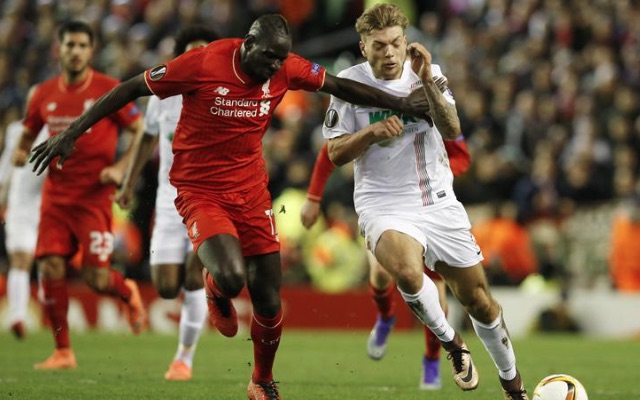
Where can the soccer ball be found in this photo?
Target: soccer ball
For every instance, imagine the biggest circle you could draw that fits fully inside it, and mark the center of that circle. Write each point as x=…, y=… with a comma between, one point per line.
x=559, y=387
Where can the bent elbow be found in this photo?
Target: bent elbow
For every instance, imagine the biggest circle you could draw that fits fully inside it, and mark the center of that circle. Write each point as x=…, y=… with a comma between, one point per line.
x=452, y=132
x=335, y=156
x=337, y=159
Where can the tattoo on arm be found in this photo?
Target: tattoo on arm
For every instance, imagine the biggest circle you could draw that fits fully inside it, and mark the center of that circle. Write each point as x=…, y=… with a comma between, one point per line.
x=443, y=114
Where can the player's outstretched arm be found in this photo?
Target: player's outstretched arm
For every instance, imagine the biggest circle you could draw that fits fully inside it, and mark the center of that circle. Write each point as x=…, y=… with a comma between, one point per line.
x=322, y=169
x=361, y=94
x=62, y=144
x=141, y=151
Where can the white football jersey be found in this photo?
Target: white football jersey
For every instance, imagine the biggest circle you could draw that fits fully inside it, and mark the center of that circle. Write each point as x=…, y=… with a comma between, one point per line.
x=161, y=119
x=404, y=173
x=11, y=137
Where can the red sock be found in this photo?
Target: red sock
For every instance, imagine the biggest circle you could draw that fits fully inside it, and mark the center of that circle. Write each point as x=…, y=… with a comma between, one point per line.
x=56, y=305
x=117, y=288
x=265, y=333
x=432, y=344
x=384, y=301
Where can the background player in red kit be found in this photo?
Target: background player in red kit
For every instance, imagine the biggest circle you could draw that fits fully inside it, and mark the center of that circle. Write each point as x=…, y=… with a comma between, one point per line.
x=76, y=207
x=230, y=89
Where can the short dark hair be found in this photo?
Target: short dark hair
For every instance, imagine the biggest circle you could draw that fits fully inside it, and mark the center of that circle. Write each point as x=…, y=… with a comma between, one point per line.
x=75, y=26
x=270, y=25
x=193, y=33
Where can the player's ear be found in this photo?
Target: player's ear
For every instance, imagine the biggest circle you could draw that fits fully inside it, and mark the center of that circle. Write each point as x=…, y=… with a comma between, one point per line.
x=361, y=45
x=249, y=41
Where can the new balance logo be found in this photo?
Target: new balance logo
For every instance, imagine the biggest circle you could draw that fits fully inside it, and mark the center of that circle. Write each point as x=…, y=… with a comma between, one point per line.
x=221, y=90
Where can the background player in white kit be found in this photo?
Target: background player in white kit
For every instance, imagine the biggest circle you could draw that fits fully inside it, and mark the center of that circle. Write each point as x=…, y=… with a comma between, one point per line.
x=404, y=196
x=22, y=216
x=173, y=263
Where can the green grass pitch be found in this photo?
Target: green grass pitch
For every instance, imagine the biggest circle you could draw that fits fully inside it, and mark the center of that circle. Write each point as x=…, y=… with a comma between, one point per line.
x=311, y=365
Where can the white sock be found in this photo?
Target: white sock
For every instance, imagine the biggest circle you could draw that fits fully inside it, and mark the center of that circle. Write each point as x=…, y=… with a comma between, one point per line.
x=192, y=318
x=496, y=340
x=426, y=306
x=18, y=293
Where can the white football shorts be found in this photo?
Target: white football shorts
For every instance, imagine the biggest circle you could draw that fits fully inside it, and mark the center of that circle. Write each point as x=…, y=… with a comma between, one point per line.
x=445, y=234
x=169, y=240
x=23, y=210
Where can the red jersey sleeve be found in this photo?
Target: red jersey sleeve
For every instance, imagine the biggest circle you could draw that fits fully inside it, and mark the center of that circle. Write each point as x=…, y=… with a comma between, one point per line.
x=459, y=157
x=33, y=119
x=321, y=172
x=180, y=75
x=302, y=74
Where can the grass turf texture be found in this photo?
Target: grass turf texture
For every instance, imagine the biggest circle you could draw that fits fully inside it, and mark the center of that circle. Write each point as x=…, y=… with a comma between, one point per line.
x=310, y=366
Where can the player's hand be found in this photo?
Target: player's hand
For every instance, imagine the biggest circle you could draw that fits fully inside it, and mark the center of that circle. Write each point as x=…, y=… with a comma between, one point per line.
x=111, y=175
x=19, y=158
x=388, y=128
x=124, y=197
x=420, y=61
x=60, y=145
x=418, y=105
x=309, y=213
x=442, y=83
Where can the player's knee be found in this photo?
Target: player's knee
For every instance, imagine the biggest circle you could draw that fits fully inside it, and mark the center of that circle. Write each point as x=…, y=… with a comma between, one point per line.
x=193, y=282
x=51, y=269
x=168, y=291
x=97, y=279
x=481, y=305
x=230, y=283
x=98, y=285
x=409, y=279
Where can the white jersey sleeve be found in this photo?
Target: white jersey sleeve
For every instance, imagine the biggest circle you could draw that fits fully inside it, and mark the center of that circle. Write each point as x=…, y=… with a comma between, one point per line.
x=152, y=116
x=340, y=117
x=11, y=136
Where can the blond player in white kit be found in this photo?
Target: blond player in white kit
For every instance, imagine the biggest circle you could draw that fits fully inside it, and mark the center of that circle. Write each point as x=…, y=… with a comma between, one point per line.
x=22, y=217
x=404, y=196
x=174, y=267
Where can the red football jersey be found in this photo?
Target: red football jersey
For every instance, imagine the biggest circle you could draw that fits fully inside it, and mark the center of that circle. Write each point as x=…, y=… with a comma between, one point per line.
x=218, y=142
x=57, y=105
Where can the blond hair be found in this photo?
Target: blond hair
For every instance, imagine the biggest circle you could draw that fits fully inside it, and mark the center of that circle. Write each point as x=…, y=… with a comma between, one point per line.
x=381, y=16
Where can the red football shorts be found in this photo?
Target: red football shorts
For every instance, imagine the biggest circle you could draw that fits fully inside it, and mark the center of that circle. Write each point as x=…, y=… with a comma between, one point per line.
x=65, y=230
x=246, y=215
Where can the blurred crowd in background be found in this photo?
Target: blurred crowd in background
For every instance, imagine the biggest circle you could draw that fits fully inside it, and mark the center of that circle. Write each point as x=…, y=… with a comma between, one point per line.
x=548, y=94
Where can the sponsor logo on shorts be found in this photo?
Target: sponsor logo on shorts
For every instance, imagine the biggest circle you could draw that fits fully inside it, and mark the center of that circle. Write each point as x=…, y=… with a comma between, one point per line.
x=441, y=194
x=158, y=72
x=331, y=118
x=315, y=68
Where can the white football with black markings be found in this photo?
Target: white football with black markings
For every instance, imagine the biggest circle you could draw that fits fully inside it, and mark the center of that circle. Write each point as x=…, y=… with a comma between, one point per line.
x=560, y=387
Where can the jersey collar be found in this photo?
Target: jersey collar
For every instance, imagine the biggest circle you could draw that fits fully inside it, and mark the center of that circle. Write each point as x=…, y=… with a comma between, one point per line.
x=237, y=71
x=76, y=87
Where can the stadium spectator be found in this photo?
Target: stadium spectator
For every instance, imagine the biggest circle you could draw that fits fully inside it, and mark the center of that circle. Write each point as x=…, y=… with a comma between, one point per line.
x=76, y=209
x=624, y=253
x=404, y=196
x=174, y=267
x=221, y=177
x=509, y=257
